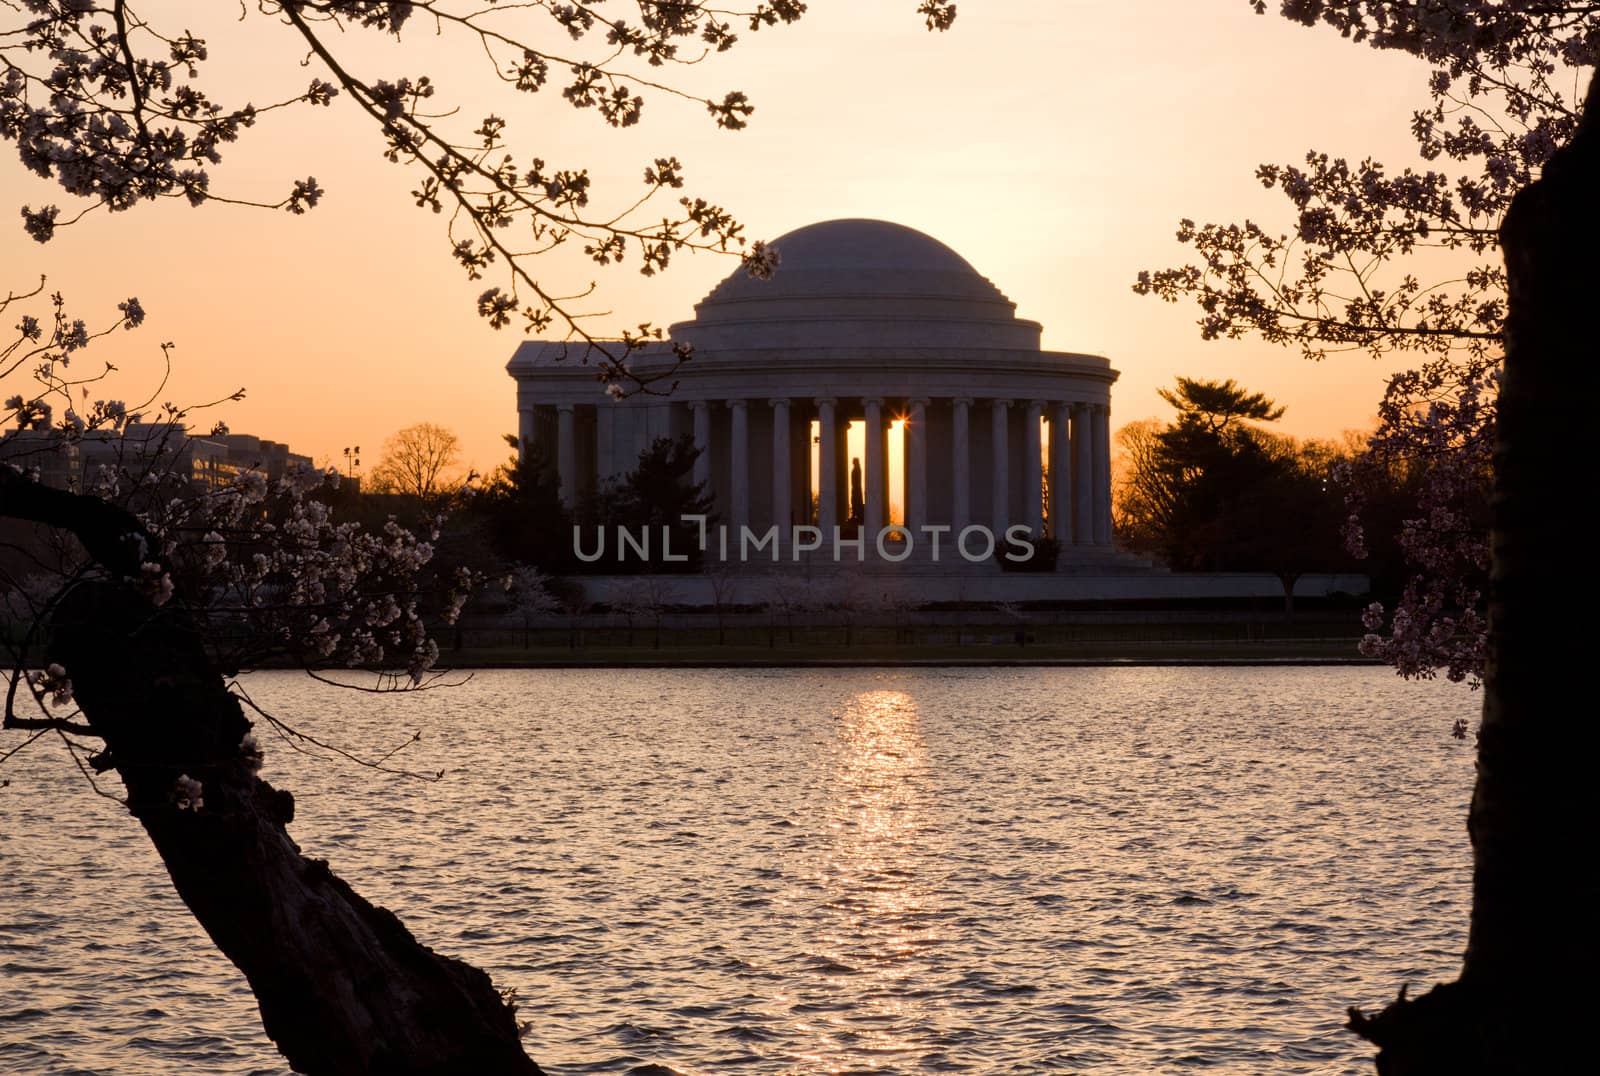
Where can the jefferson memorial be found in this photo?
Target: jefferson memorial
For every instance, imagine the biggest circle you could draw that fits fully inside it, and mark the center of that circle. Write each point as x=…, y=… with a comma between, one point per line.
x=877, y=379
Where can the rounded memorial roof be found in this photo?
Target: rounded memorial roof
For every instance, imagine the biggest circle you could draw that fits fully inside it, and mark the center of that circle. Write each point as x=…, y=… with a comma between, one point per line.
x=859, y=283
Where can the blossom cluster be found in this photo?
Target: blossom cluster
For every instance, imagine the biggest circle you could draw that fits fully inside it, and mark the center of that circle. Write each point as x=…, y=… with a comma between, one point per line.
x=1502, y=96
x=44, y=355
x=261, y=564
x=269, y=571
x=115, y=111
x=1436, y=439
x=53, y=683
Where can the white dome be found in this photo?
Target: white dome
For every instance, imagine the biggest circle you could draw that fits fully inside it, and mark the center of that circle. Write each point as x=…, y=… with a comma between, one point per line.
x=859, y=283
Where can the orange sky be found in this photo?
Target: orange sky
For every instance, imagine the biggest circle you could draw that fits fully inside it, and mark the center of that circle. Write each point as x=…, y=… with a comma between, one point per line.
x=1053, y=143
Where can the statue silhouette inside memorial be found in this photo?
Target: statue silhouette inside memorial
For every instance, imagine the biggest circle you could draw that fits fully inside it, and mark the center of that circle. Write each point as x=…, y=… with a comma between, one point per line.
x=858, y=502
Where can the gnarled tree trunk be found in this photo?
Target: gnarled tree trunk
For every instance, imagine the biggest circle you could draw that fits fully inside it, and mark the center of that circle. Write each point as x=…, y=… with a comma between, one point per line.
x=1522, y=1003
x=344, y=988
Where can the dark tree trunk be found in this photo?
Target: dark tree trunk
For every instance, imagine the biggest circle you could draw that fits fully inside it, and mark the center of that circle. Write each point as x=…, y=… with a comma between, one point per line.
x=1287, y=580
x=1522, y=1004
x=343, y=987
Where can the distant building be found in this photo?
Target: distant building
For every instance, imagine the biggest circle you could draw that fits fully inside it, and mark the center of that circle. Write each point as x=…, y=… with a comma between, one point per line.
x=210, y=462
x=56, y=461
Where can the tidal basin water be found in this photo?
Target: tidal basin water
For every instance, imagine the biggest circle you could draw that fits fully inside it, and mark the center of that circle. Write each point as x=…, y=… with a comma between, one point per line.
x=1118, y=870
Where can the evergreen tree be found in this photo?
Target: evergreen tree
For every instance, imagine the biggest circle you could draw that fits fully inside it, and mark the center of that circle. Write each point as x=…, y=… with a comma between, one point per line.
x=656, y=497
x=521, y=508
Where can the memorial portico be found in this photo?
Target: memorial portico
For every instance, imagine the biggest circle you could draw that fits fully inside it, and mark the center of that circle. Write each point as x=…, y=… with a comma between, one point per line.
x=874, y=350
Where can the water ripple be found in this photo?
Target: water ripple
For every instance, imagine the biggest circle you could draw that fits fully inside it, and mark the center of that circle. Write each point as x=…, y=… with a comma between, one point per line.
x=790, y=872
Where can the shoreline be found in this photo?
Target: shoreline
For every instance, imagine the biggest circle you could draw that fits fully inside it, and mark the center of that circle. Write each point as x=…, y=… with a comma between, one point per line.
x=1101, y=654
x=917, y=663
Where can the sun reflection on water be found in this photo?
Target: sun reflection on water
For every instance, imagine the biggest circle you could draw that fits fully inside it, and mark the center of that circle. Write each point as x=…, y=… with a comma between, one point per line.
x=786, y=873
x=877, y=925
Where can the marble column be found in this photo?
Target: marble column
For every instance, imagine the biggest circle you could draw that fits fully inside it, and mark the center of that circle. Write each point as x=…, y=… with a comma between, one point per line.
x=1084, y=487
x=1083, y=532
x=1101, y=441
x=873, y=467
x=1002, y=466
x=801, y=415
x=527, y=431
x=739, y=467
x=782, y=479
x=567, y=454
x=961, y=464
x=1064, y=486
x=842, y=469
x=917, y=464
x=1033, y=469
x=827, y=466
x=702, y=441
x=606, y=416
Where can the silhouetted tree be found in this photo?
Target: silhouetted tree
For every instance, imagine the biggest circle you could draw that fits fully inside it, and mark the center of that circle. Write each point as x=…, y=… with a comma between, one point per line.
x=724, y=583
x=1288, y=522
x=643, y=597
x=1192, y=471
x=1533, y=805
x=656, y=496
x=1141, y=497
x=1360, y=269
x=520, y=505
x=1214, y=491
x=168, y=586
x=1217, y=407
x=1522, y=1001
x=420, y=461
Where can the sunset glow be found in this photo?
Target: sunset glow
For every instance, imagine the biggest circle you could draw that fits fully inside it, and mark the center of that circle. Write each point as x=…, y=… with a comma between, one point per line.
x=795, y=537
x=1055, y=145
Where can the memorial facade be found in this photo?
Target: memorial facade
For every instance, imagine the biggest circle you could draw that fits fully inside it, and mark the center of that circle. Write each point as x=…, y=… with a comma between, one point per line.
x=877, y=379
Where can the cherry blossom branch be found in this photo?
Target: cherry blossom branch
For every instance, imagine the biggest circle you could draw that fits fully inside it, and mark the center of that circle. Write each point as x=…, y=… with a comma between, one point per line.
x=297, y=740
x=48, y=724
